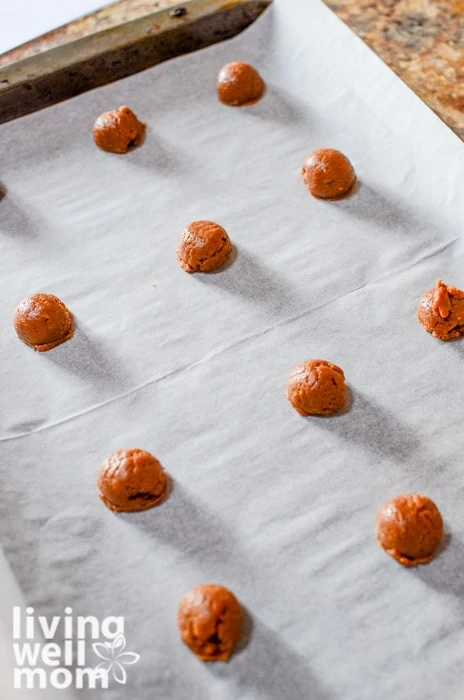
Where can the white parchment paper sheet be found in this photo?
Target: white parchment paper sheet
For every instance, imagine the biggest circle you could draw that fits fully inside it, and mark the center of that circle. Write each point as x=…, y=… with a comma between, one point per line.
x=278, y=508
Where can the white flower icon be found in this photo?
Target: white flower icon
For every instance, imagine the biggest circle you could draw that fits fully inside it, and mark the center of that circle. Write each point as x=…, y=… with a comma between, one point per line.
x=115, y=658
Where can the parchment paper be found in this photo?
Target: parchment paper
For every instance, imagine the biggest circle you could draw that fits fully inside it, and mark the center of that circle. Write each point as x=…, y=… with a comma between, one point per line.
x=193, y=368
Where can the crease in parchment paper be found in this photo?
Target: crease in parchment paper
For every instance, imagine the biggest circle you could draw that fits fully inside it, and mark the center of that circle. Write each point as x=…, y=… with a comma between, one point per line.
x=246, y=339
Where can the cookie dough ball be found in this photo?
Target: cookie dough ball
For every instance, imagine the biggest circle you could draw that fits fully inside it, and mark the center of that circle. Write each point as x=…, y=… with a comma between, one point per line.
x=409, y=528
x=42, y=321
x=118, y=130
x=132, y=480
x=328, y=174
x=239, y=84
x=441, y=311
x=210, y=622
x=204, y=247
x=316, y=387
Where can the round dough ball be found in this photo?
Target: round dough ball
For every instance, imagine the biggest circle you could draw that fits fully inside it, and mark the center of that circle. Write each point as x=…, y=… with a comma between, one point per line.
x=42, y=321
x=204, y=247
x=239, y=84
x=328, y=174
x=118, y=130
x=409, y=528
x=131, y=480
x=441, y=311
x=316, y=387
x=210, y=622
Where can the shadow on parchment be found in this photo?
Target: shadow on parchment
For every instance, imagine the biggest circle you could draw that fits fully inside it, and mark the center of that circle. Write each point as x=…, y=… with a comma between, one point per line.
x=252, y=281
x=14, y=221
x=372, y=427
x=29, y=425
x=270, y=669
x=446, y=571
x=457, y=345
x=188, y=525
x=276, y=106
x=84, y=356
x=156, y=155
x=247, y=631
x=373, y=206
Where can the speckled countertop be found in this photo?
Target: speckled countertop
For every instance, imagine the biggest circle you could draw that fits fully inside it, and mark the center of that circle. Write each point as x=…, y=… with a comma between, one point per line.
x=421, y=40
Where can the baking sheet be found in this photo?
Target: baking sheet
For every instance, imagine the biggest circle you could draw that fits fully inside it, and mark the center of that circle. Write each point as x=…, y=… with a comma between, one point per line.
x=278, y=508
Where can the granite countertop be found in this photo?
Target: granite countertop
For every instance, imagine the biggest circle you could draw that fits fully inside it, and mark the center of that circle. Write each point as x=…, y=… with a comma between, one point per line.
x=421, y=40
